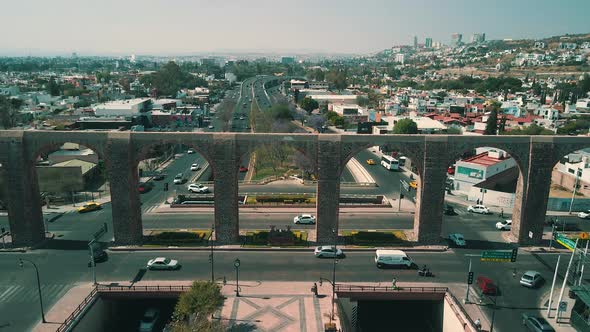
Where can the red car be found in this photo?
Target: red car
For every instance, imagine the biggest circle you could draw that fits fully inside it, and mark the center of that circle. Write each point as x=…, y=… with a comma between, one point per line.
x=451, y=170
x=243, y=169
x=486, y=285
x=144, y=187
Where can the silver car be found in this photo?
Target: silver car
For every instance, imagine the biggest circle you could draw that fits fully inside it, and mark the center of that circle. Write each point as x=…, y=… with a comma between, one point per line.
x=327, y=251
x=531, y=279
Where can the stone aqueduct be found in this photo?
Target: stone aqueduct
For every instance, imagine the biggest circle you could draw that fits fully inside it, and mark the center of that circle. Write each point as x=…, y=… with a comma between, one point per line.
x=432, y=154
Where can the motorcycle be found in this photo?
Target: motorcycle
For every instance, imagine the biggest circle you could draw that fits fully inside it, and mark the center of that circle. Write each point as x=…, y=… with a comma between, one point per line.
x=425, y=272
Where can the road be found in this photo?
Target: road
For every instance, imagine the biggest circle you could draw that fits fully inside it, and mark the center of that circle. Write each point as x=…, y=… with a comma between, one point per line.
x=58, y=272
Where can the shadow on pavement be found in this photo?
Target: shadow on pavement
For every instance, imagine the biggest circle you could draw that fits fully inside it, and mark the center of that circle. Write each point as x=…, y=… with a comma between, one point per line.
x=139, y=275
x=65, y=244
x=242, y=327
x=478, y=244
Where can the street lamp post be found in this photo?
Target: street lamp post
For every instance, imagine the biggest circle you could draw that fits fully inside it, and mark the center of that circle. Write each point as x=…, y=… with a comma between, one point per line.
x=211, y=254
x=21, y=264
x=335, y=234
x=237, y=265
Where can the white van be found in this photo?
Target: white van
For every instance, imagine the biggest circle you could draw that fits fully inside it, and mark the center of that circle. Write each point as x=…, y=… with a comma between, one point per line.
x=387, y=258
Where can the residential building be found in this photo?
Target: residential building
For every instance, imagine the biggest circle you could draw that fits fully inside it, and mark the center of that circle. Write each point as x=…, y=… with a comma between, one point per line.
x=540, y=44
x=400, y=57
x=298, y=85
x=425, y=125
x=571, y=166
x=318, y=85
x=567, y=46
x=351, y=113
x=334, y=99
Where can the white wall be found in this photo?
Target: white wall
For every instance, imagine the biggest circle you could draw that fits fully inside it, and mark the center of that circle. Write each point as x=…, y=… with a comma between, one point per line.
x=491, y=197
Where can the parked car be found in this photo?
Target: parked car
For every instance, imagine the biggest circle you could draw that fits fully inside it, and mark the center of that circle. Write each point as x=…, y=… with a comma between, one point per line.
x=505, y=225
x=486, y=285
x=531, y=279
x=536, y=323
x=195, y=167
x=179, y=179
x=448, y=210
x=92, y=206
x=457, y=239
x=198, y=188
x=149, y=319
x=584, y=214
x=211, y=127
x=370, y=162
x=451, y=170
x=190, y=151
x=243, y=169
x=162, y=263
x=478, y=209
x=304, y=219
x=327, y=252
x=159, y=176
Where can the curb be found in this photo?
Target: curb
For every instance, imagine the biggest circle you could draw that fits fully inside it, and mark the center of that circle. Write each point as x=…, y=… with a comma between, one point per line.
x=272, y=249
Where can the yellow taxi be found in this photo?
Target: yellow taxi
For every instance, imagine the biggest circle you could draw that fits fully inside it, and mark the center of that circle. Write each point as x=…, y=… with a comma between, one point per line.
x=414, y=184
x=92, y=206
x=370, y=162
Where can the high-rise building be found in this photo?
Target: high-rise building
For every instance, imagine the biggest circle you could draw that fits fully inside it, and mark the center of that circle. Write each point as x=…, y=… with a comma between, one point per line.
x=478, y=38
x=415, y=42
x=428, y=42
x=400, y=57
x=456, y=39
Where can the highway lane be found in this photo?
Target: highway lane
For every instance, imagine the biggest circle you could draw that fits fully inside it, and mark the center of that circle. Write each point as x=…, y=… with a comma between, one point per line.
x=59, y=271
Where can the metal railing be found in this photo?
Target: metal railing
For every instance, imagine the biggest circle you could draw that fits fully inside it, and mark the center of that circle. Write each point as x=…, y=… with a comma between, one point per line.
x=362, y=288
x=69, y=321
x=74, y=315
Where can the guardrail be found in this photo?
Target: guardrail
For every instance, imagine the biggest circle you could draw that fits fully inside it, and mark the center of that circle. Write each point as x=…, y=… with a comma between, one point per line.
x=74, y=315
x=69, y=321
x=361, y=288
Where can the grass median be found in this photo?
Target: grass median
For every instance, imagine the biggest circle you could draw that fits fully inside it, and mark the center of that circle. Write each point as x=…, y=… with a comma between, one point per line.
x=263, y=239
x=184, y=238
x=366, y=239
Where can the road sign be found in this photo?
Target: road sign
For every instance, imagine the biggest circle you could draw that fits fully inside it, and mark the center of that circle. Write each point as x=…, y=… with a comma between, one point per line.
x=564, y=241
x=496, y=256
x=562, y=306
x=584, y=236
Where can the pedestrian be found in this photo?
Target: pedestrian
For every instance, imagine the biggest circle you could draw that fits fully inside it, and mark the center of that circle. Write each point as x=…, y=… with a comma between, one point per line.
x=514, y=273
x=314, y=289
x=478, y=324
x=501, y=212
x=477, y=202
x=394, y=283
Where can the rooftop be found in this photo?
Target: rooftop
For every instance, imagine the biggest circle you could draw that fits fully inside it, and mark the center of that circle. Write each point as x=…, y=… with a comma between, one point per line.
x=483, y=159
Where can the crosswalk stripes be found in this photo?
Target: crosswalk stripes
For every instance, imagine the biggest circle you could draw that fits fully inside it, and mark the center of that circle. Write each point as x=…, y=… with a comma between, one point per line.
x=149, y=209
x=22, y=294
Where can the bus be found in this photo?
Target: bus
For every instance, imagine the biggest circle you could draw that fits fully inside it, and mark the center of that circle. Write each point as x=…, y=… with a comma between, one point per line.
x=390, y=163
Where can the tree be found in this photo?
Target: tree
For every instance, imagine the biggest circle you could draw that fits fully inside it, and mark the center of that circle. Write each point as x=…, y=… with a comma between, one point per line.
x=53, y=87
x=194, y=308
x=492, y=123
x=533, y=129
x=309, y=104
x=9, y=111
x=405, y=126
x=362, y=100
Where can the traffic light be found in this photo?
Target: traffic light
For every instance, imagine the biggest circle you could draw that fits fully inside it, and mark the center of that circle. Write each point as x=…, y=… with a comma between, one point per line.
x=470, y=278
x=514, y=254
x=166, y=186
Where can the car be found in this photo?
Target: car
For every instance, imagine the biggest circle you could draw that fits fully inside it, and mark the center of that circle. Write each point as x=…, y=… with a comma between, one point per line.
x=179, y=179
x=304, y=219
x=210, y=127
x=448, y=210
x=197, y=188
x=327, y=252
x=457, y=239
x=162, y=263
x=478, y=209
x=190, y=151
x=486, y=285
x=243, y=169
x=241, y=118
x=413, y=184
x=451, y=170
x=92, y=206
x=98, y=253
x=505, y=225
x=536, y=323
x=149, y=319
x=195, y=167
x=144, y=187
x=159, y=176
x=370, y=162
x=584, y=214
x=531, y=279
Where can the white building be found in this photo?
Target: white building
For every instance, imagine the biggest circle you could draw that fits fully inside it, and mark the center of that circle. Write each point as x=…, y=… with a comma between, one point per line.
x=400, y=57
x=425, y=125
x=334, y=99
x=486, y=163
x=129, y=107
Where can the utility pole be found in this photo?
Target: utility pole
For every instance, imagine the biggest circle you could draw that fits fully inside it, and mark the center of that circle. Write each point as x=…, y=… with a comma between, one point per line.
x=552, y=287
x=565, y=279
x=211, y=254
x=583, y=264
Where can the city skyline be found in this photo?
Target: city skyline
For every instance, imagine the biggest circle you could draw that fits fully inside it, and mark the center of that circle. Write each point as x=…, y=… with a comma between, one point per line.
x=157, y=28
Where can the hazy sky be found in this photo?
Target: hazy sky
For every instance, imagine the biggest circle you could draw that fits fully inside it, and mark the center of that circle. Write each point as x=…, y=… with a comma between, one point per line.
x=351, y=26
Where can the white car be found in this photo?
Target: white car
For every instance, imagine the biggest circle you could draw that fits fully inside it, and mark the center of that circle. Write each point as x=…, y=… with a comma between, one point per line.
x=195, y=167
x=505, y=225
x=304, y=219
x=584, y=214
x=162, y=263
x=197, y=188
x=178, y=179
x=149, y=319
x=190, y=151
x=210, y=127
x=327, y=251
x=457, y=239
x=478, y=209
